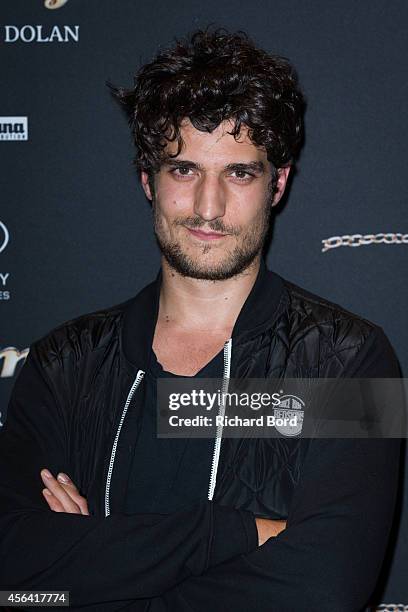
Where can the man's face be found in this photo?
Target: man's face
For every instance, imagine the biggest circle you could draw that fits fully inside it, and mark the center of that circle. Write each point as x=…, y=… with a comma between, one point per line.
x=219, y=185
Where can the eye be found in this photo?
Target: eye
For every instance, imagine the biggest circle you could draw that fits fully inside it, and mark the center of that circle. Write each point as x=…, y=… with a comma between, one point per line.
x=242, y=178
x=180, y=171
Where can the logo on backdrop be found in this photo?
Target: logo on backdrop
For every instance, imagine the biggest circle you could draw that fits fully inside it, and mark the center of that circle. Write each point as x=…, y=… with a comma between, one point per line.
x=54, y=4
x=9, y=358
x=13, y=128
x=356, y=240
x=4, y=236
x=4, y=295
x=41, y=34
x=4, y=276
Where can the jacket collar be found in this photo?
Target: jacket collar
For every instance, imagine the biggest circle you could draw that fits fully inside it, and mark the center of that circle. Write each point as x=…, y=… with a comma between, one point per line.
x=258, y=312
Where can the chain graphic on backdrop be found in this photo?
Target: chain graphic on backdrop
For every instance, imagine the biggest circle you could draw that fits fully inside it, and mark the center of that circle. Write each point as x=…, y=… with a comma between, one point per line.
x=391, y=608
x=356, y=240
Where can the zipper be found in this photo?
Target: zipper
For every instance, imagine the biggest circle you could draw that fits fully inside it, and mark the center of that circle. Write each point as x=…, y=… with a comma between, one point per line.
x=221, y=412
x=133, y=388
x=217, y=444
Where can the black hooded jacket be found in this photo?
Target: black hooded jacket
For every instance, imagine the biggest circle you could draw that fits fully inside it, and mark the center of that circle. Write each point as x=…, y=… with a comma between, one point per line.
x=75, y=407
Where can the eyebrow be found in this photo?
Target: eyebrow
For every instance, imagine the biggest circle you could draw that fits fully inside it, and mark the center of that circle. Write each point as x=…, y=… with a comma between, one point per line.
x=252, y=166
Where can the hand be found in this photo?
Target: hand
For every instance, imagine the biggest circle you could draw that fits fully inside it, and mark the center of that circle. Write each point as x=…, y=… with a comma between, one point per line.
x=63, y=496
x=268, y=528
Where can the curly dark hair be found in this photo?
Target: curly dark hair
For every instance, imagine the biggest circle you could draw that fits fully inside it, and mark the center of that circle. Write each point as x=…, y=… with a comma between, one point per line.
x=208, y=78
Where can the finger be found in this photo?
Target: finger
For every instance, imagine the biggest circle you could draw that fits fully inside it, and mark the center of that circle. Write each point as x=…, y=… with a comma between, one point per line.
x=52, y=501
x=59, y=492
x=70, y=488
x=73, y=492
x=58, y=506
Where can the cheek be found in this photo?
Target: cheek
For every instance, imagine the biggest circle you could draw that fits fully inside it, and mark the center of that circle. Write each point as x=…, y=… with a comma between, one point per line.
x=247, y=209
x=251, y=197
x=172, y=200
x=168, y=214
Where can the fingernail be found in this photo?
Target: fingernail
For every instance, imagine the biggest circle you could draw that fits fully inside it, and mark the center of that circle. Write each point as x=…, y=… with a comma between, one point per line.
x=46, y=474
x=63, y=478
x=47, y=492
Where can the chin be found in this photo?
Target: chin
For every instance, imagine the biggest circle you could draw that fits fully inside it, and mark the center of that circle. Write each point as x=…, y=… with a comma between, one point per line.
x=195, y=267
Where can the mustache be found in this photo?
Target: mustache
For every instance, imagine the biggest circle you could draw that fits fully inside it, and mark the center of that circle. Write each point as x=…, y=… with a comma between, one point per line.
x=214, y=226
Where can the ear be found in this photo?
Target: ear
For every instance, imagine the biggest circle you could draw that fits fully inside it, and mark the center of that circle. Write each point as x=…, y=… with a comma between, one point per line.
x=144, y=179
x=283, y=174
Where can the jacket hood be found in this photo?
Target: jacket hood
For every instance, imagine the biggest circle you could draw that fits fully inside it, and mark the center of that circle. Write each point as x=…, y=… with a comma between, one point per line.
x=258, y=312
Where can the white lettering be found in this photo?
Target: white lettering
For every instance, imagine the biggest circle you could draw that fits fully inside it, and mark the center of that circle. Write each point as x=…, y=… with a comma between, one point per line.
x=273, y=421
x=11, y=356
x=197, y=421
x=74, y=35
x=56, y=35
x=3, y=278
x=31, y=31
x=9, y=29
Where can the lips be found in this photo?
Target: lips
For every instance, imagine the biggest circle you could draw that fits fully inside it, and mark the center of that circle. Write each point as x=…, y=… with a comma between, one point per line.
x=206, y=235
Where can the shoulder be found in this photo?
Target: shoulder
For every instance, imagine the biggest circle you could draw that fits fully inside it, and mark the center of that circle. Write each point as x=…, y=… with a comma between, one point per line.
x=309, y=311
x=337, y=333
x=81, y=335
x=313, y=309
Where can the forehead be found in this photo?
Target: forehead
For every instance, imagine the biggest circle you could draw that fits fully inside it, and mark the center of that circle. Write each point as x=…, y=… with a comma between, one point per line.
x=218, y=144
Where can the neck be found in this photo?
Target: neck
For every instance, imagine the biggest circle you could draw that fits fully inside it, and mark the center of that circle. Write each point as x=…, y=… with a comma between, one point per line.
x=198, y=305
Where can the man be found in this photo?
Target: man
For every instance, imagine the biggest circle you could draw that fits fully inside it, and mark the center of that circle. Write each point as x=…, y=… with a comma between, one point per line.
x=146, y=523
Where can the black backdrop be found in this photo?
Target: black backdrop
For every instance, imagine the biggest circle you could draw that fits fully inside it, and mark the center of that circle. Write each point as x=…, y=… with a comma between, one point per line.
x=74, y=224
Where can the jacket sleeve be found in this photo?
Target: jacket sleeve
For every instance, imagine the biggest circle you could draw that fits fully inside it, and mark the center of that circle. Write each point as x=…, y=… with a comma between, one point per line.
x=97, y=559
x=330, y=555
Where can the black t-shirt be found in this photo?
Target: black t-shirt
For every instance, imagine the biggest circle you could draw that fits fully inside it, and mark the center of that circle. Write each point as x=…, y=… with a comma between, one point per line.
x=168, y=473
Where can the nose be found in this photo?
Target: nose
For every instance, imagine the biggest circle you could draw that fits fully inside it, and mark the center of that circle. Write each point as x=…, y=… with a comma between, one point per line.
x=210, y=198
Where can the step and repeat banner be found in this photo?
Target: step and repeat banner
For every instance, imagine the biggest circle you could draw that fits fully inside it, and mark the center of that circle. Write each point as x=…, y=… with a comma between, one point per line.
x=75, y=227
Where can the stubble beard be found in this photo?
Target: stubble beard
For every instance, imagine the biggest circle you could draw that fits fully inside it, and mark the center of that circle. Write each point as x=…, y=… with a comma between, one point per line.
x=235, y=261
